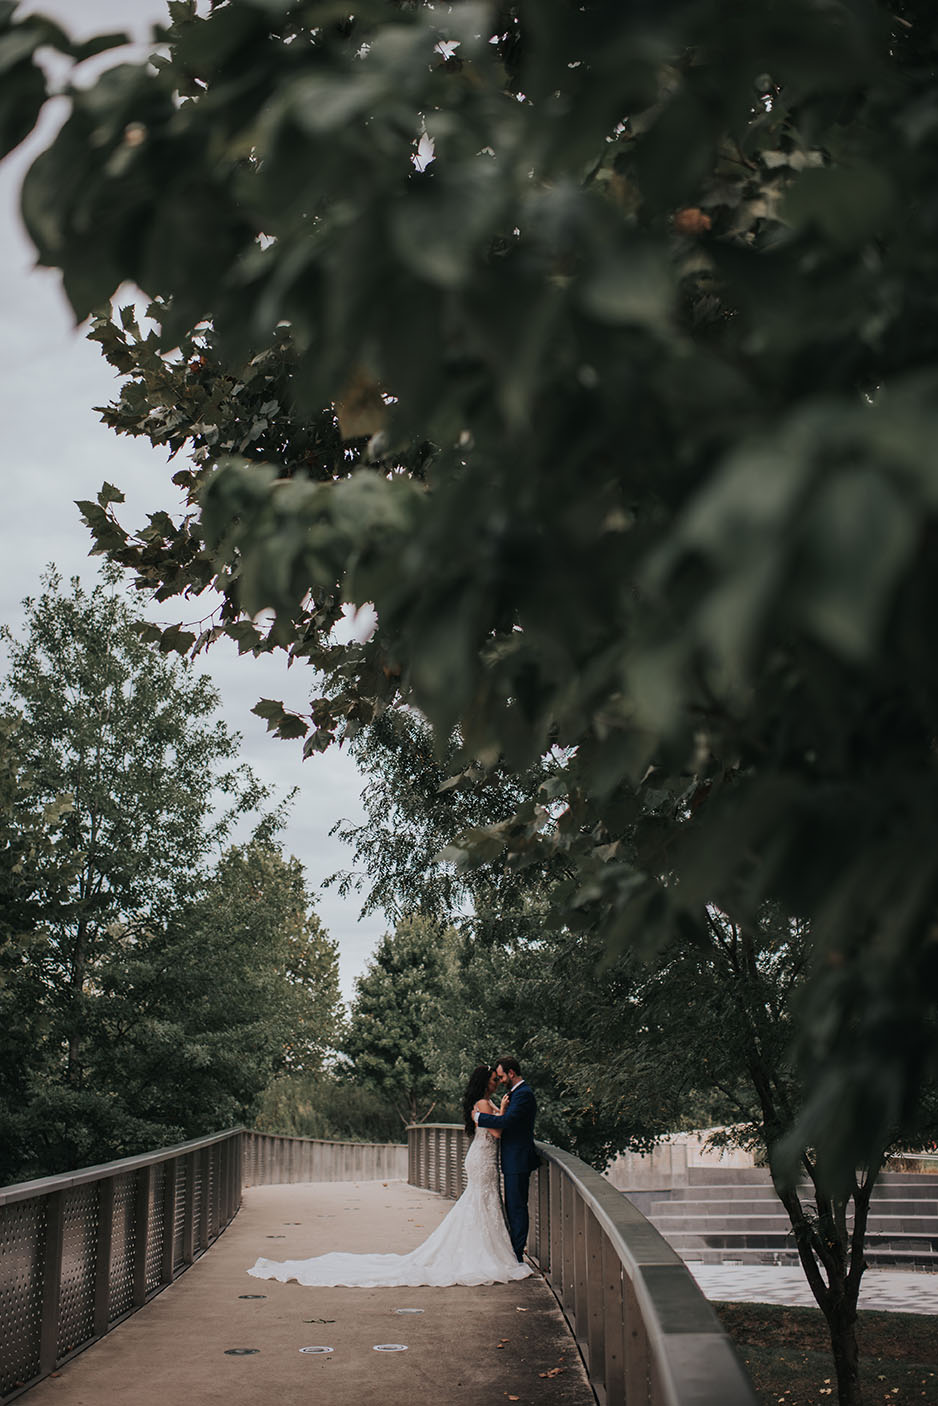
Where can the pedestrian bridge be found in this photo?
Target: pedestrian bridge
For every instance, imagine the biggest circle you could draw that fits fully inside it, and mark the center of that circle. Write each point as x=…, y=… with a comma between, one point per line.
x=614, y=1315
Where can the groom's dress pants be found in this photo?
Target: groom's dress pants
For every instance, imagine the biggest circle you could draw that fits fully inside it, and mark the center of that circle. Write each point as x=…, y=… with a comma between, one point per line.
x=516, y=1209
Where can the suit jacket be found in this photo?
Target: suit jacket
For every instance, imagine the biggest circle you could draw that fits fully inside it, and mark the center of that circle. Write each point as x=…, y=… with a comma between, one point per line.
x=516, y=1125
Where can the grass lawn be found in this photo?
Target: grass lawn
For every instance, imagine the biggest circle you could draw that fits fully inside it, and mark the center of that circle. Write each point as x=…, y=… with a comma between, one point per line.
x=787, y=1355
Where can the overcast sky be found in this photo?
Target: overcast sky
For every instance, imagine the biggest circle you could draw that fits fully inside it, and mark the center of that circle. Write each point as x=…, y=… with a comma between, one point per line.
x=56, y=450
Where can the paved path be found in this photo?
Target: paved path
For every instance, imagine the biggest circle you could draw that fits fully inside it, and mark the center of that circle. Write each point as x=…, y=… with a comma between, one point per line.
x=475, y=1346
x=897, y=1290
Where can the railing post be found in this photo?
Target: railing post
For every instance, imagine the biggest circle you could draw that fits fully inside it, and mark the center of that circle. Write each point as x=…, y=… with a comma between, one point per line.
x=204, y=1206
x=595, y=1286
x=169, y=1221
x=567, y=1260
x=556, y=1230
x=613, y=1313
x=580, y=1281
x=636, y=1348
x=188, y=1223
x=216, y=1189
x=51, y=1281
x=102, y=1259
x=543, y=1218
x=141, y=1233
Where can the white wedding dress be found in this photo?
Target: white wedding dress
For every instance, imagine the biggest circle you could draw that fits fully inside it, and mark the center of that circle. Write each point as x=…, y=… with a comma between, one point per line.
x=470, y=1246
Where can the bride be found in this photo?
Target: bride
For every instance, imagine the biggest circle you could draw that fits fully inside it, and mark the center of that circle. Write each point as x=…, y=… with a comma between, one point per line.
x=471, y=1246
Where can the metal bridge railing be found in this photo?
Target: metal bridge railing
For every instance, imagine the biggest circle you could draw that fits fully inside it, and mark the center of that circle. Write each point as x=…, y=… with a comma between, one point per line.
x=647, y=1334
x=272, y=1160
x=80, y=1252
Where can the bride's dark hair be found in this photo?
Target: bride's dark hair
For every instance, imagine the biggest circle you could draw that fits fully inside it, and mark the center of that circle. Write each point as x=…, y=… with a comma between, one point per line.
x=475, y=1089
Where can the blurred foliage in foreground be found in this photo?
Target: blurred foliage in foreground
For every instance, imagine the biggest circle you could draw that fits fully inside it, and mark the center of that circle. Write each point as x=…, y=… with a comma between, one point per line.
x=621, y=412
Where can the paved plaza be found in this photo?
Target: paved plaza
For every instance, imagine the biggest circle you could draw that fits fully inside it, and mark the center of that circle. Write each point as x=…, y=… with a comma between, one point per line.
x=897, y=1290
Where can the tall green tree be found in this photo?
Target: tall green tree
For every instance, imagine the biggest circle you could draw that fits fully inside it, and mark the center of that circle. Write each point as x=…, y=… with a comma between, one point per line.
x=119, y=959
x=196, y=1016
x=36, y=869
x=398, y=1014
x=134, y=740
x=629, y=436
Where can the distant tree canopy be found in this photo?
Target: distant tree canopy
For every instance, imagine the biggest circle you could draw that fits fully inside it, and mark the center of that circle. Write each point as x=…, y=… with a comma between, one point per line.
x=399, y=1008
x=153, y=976
x=620, y=410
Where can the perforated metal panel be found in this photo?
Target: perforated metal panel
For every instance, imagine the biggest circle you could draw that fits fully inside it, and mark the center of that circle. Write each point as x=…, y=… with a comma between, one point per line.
x=122, y=1246
x=197, y=1201
x=155, y=1228
x=180, y=1225
x=79, y=1245
x=22, y=1235
x=210, y=1189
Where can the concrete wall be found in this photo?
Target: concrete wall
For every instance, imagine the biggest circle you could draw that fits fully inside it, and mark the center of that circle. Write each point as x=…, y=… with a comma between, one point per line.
x=666, y=1165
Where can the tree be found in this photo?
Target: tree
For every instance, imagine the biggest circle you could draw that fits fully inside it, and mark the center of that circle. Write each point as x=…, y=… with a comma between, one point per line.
x=396, y=1016
x=716, y=1020
x=36, y=868
x=522, y=983
x=200, y=1015
x=633, y=385
x=122, y=756
x=419, y=795
x=625, y=1052
x=629, y=451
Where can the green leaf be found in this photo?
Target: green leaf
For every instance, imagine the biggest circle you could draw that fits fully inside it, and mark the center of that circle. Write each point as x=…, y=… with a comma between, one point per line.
x=176, y=640
x=859, y=536
x=109, y=494
x=633, y=285
x=445, y=221
x=99, y=44
x=22, y=95
x=270, y=709
x=150, y=634
x=849, y=204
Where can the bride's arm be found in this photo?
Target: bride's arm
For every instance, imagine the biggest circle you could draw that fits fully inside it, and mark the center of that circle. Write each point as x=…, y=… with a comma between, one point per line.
x=485, y=1106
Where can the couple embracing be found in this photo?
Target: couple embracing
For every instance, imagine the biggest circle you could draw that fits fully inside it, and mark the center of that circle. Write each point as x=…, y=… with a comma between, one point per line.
x=513, y=1125
x=473, y=1244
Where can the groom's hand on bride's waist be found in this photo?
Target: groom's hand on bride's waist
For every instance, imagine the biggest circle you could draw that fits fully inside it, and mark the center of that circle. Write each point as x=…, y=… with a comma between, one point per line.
x=475, y=1115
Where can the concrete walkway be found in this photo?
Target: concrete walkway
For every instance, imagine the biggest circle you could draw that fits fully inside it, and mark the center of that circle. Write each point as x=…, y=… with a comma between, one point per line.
x=206, y=1340
x=897, y=1291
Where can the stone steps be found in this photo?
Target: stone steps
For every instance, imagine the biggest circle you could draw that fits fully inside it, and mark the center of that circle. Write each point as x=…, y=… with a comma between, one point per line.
x=893, y=1259
x=883, y=1191
x=770, y=1205
x=885, y=1226
x=732, y=1214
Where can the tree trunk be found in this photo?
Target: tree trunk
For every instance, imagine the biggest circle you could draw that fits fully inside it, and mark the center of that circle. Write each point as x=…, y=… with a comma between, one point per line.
x=842, y=1324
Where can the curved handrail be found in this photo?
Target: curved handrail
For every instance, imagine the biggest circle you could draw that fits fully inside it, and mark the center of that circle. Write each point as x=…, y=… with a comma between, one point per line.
x=85, y=1249
x=42, y=1186
x=89, y=1247
x=647, y=1334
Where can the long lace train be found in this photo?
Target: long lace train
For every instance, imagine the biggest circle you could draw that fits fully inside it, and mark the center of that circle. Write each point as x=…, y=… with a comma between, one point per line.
x=470, y=1246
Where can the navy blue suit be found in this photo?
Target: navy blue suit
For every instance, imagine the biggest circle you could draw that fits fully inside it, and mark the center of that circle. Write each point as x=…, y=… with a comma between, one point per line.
x=519, y=1158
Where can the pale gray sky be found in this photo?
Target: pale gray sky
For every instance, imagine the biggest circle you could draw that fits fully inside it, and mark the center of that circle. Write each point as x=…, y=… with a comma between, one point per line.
x=55, y=450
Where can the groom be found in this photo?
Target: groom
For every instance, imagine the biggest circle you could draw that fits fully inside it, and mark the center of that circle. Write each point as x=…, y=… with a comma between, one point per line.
x=519, y=1157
